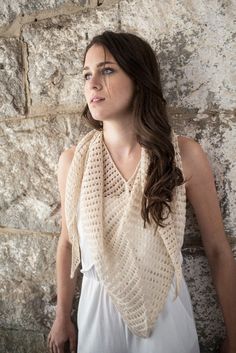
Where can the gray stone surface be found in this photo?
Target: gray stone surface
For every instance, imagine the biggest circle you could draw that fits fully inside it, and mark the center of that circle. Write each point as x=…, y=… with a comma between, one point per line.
x=28, y=291
x=30, y=150
x=12, y=98
x=196, y=47
x=27, y=276
x=9, y=9
x=20, y=341
x=56, y=48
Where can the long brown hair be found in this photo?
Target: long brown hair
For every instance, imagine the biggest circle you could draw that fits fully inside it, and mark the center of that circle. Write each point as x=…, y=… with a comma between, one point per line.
x=136, y=57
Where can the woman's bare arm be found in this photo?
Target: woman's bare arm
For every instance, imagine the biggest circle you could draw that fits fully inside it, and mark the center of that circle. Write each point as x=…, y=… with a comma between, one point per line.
x=201, y=193
x=63, y=329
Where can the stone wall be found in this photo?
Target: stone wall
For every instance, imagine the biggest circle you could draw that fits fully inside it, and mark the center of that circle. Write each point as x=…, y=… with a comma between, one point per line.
x=41, y=46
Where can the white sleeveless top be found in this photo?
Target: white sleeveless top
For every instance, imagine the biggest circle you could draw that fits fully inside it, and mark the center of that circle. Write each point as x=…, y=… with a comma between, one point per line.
x=101, y=327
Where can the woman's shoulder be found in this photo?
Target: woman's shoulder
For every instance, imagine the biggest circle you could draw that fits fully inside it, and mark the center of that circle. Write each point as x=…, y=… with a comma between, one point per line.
x=192, y=155
x=69, y=152
x=66, y=156
x=188, y=147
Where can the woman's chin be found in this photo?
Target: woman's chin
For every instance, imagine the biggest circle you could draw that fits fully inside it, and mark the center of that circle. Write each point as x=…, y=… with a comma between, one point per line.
x=98, y=118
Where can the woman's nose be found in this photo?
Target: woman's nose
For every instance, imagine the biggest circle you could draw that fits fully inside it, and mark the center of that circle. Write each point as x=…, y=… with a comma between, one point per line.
x=95, y=82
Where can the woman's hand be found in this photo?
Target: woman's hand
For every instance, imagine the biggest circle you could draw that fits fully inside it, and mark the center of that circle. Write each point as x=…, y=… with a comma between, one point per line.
x=61, y=332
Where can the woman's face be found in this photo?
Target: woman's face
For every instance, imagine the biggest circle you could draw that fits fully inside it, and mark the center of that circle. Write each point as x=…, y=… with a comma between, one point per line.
x=108, y=89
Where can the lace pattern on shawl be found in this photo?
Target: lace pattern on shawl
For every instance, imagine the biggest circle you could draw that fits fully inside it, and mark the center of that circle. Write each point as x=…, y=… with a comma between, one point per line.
x=136, y=265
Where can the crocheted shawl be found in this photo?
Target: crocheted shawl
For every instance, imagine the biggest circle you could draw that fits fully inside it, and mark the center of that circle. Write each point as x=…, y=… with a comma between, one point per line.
x=135, y=264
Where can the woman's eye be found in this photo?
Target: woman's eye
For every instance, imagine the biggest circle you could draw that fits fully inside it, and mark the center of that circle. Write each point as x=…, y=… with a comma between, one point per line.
x=87, y=76
x=104, y=71
x=107, y=71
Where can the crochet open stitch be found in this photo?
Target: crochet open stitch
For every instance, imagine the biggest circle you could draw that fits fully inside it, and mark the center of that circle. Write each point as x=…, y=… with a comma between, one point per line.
x=136, y=264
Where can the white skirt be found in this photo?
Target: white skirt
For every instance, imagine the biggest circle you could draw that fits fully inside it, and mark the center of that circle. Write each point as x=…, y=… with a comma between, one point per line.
x=102, y=329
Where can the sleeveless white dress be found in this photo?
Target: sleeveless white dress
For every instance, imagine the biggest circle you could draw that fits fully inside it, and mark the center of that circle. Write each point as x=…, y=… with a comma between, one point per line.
x=101, y=328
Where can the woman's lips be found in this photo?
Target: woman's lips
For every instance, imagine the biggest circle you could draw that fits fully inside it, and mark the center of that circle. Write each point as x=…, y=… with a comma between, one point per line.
x=97, y=99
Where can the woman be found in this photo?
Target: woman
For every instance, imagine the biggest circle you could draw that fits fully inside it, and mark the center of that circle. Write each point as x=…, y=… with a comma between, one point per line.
x=123, y=190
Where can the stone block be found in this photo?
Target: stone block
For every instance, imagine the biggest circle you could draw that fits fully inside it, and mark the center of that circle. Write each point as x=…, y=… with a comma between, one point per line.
x=195, y=44
x=12, y=341
x=9, y=10
x=27, y=276
x=12, y=98
x=28, y=290
x=30, y=150
x=55, y=53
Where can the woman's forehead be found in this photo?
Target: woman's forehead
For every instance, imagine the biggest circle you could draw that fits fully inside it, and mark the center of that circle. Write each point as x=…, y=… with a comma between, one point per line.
x=97, y=54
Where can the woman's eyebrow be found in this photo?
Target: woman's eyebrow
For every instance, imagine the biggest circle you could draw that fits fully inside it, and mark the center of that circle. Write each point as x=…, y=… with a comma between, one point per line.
x=100, y=64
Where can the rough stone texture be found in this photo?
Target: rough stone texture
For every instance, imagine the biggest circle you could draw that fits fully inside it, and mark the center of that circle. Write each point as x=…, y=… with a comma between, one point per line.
x=13, y=341
x=10, y=9
x=55, y=48
x=27, y=293
x=12, y=98
x=30, y=150
x=196, y=46
x=27, y=276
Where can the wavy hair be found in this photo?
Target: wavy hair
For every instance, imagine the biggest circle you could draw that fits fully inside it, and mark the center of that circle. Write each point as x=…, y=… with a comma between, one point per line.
x=152, y=128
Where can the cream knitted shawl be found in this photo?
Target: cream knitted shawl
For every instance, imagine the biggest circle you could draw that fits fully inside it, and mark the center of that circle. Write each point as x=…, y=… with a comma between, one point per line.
x=135, y=264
